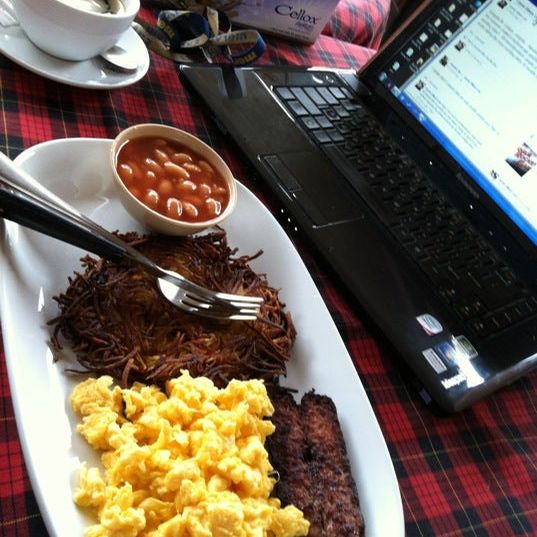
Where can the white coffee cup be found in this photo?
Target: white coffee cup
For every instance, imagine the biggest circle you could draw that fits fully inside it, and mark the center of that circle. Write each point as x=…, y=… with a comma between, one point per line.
x=68, y=30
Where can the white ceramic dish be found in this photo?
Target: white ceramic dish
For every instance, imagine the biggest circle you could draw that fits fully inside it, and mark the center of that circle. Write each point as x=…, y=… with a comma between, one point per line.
x=90, y=73
x=155, y=220
x=34, y=268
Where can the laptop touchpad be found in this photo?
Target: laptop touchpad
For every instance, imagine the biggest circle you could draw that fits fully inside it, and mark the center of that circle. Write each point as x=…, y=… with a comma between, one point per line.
x=319, y=189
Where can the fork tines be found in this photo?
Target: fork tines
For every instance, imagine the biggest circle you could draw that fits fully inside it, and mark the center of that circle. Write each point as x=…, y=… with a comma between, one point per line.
x=206, y=303
x=226, y=305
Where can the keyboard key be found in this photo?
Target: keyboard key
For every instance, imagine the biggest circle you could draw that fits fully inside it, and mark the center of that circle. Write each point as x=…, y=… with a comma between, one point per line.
x=331, y=114
x=315, y=96
x=321, y=136
x=484, y=327
x=305, y=101
x=531, y=303
x=506, y=276
x=310, y=122
x=346, y=92
x=341, y=112
x=349, y=105
x=515, y=313
x=344, y=129
x=471, y=308
x=284, y=93
x=501, y=320
x=297, y=109
x=335, y=136
x=324, y=122
x=336, y=92
x=327, y=95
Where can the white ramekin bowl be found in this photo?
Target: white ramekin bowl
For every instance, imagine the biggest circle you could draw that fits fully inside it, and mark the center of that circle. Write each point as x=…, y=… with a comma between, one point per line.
x=151, y=218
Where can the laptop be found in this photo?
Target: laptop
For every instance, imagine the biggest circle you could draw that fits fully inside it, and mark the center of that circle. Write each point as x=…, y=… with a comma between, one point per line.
x=416, y=181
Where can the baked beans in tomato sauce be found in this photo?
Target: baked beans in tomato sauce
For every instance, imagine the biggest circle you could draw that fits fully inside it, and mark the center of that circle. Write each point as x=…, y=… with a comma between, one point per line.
x=172, y=179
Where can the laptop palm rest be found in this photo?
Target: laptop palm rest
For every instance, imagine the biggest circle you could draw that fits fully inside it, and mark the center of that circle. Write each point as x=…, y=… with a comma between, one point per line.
x=307, y=178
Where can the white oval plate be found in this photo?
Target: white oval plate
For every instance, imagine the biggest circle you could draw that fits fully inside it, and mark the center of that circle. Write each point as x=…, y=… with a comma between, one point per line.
x=34, y=268
x=84, y=74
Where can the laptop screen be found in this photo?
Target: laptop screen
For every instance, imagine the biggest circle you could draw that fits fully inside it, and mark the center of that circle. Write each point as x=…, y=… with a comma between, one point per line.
x=469, y=76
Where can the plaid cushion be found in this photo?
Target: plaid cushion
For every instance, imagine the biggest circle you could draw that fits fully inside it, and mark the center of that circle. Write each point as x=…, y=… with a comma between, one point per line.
x=361, y=22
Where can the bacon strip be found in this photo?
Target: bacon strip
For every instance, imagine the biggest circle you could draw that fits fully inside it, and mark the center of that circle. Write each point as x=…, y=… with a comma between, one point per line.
x=308, y=451
x=288, y=448
x=339, y=506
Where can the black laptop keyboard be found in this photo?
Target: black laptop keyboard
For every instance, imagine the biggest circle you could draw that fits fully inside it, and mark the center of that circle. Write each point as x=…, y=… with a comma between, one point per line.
x=462, y=266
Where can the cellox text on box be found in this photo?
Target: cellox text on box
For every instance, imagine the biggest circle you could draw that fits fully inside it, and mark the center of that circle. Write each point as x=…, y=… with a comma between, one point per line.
x=301, y=20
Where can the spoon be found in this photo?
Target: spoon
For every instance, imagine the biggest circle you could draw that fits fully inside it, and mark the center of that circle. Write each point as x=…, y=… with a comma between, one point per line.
x=119, y=59
x=116, y=57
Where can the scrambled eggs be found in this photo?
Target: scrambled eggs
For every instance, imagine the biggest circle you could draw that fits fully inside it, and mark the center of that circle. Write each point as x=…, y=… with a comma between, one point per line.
x=189, y=462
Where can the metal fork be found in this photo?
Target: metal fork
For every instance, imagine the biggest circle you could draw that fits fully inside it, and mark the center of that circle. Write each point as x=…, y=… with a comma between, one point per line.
x=25, y=201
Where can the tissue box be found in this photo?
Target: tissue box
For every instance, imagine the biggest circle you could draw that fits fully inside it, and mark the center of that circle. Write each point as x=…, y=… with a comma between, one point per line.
x=299, y=20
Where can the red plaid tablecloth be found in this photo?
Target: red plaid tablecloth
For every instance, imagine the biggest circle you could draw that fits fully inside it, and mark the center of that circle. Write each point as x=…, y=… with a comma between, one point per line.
x=474, y=473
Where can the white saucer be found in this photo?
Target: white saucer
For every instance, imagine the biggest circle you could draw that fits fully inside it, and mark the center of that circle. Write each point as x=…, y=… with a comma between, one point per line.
x=90, y=73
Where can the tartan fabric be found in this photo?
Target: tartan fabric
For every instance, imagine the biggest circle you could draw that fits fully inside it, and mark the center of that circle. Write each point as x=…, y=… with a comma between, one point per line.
x=361, y=22
x=471, y=474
